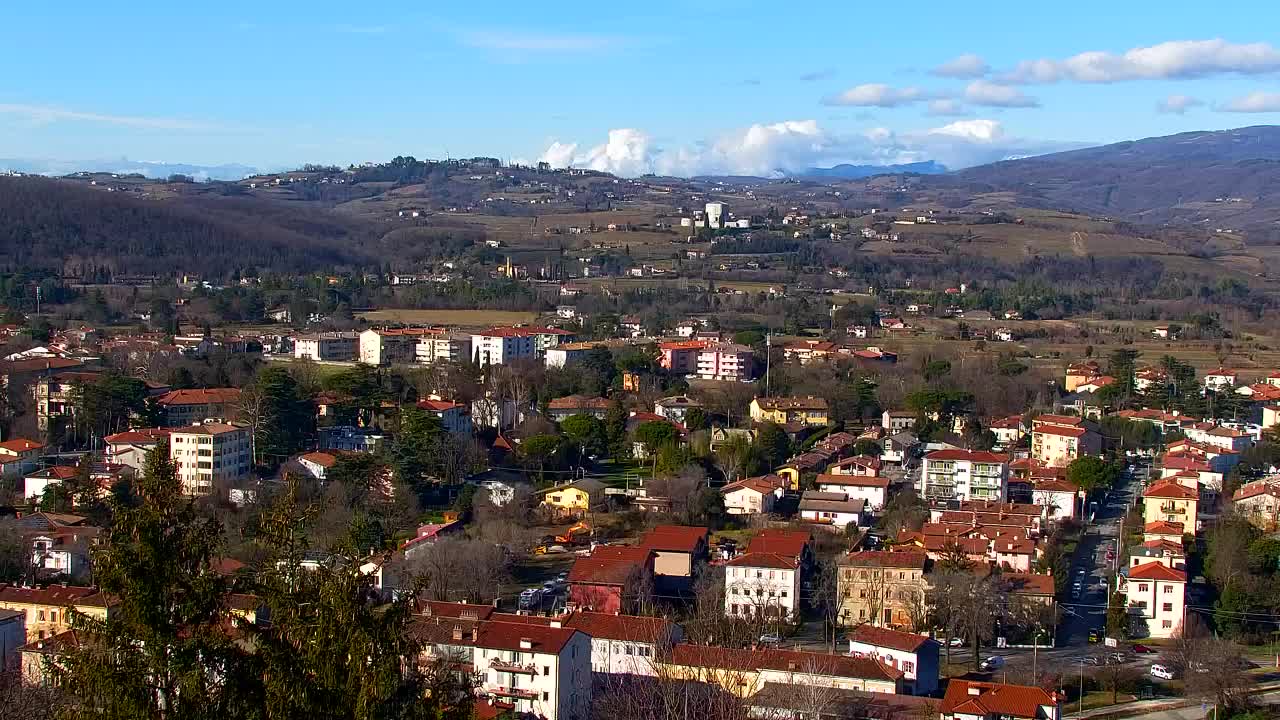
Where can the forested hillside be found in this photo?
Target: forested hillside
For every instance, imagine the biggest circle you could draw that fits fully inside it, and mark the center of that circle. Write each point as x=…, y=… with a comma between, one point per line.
x=59, y=226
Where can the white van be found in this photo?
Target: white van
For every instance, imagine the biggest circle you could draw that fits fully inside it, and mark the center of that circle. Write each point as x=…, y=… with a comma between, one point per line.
x=1161, y=672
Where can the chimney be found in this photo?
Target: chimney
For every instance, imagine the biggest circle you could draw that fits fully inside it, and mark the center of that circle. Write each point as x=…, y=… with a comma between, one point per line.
x=457, y=632
x=526, y=644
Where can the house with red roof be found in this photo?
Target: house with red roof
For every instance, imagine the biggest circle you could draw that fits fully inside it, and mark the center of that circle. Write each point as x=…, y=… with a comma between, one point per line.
x=1259, y=501
x=915, y=655
x=745, y=672
x=1061, y=499
x=677, y=552
x=561, y=408
x=871, y=489
x=454, y=417
x=1171, y=501
x=18, y=456
x=881, y=587
x=610, y=579
x=131, y=446
x=763, y=585
x=1155, y=595
x=977, y=700
x=753, y=495
x=625, y=644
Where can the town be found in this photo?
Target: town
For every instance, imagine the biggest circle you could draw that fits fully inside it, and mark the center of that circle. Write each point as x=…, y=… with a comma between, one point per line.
x=580, y=516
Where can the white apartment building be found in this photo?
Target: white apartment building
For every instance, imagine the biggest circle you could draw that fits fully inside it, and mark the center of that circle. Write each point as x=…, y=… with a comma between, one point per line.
x=624, y=644
x=724, y=361
x=873, y=490
x=562, y=355
x=1156, y=596
x=762, y=584
x=210, y=452
x=392, y=346
x=544, y=670
x=498, y=346
x=964, y=475
x=327, y=347
x=442, y=348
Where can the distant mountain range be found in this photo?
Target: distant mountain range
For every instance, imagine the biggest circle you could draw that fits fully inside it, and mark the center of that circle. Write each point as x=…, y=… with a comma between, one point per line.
x=125, y=166
x=855, y=172
x=1227, y=179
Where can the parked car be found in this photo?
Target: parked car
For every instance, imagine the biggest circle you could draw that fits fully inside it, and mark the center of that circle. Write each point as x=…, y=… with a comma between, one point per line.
x=1095, y=635
x=1161, y=672
x=1118, y=658
x=530, y=597
x=1091, y=660
x=956, y=642
x=770, y=639
x=995, y=662
x=1142, y=649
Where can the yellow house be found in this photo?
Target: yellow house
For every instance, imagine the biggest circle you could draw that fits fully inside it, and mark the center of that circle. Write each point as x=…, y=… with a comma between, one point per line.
x=745, y=672
x=808, y=411
x=48, y=609
x=576, y=498
x=1169, y=501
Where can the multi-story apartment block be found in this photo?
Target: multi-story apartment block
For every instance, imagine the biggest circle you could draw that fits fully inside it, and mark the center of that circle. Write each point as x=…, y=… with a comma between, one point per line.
x=1156, y=597
x=964, y=475
x=882, y=588
x=186, y=407
x=54, y=395
x=210, y=452
x=398, y=346
x=762, y=585
x=1170, y=501
x=442, y=348
x=625, y=644
x=1056, y=440
x=725, y=361
x=327, y=347
x=48, y=609
x=498, y=346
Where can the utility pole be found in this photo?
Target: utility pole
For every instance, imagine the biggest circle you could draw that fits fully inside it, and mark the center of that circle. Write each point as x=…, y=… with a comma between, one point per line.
x=1080, y=697
x=768, y=352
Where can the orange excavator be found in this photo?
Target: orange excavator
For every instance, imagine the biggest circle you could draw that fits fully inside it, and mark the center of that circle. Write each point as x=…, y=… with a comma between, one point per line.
x=575, y=533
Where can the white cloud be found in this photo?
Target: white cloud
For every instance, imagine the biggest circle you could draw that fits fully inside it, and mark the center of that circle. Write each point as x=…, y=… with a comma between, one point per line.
x=1177, y=104
x=877, y=95
x=984, y=131
x=983, y=92
x=946, y=107
x=43, y=115
x=519, y=40
x=1173, y=59
x=1254, y=102
x=769, y=150
x=963, y=66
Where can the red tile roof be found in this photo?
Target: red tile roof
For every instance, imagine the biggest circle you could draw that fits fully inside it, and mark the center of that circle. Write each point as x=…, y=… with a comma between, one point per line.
x=626, y=628
x=1058, y=430
x=1162, y=527
x=20, y=445
x=512, y=636
x=139, y=436
x=675, y=538
x=886, y=558
x=323, y=459
x=1172, y=490
x=1057, y=419
x=206, y=396
x=780, y=540
x=1029, y=583
x=1156, y=570
x=765, y=560
x=884, y=637
x=52, y=595
x=457, y=610
x=969, y=697
x=609, y=566
x=1054, y=485
x=762, y=484
x=438, y=405
x=797, y=661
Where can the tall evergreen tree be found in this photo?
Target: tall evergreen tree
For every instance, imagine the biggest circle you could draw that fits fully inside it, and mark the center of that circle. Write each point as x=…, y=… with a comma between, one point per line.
x=164, y=652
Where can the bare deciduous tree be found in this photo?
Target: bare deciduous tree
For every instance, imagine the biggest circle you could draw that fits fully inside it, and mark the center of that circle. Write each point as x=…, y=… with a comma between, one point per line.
x=460, y=569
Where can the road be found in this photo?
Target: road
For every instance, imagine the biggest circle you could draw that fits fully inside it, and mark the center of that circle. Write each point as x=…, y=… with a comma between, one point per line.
x=1088, y=610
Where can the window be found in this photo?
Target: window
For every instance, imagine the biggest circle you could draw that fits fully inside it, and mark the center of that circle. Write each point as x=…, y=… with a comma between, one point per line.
x=784, y=593
x=908, y=666
x=545, y=696
x=41, y=616
x=1142, y=587
x=1167, y=607
x=1167, y=624
x=53, y=616
x=546, y=670
x=1168, y=588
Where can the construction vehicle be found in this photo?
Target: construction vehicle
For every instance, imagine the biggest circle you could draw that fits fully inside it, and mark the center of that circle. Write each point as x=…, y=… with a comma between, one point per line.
x=575, y=534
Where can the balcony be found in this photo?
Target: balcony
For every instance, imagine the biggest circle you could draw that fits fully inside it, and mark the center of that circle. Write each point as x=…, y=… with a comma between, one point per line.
x=1173, y=510
x=514, y=693
x=512, y=667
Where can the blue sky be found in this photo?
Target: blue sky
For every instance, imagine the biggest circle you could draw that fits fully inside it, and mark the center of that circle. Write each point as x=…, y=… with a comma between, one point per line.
x=692, y=86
